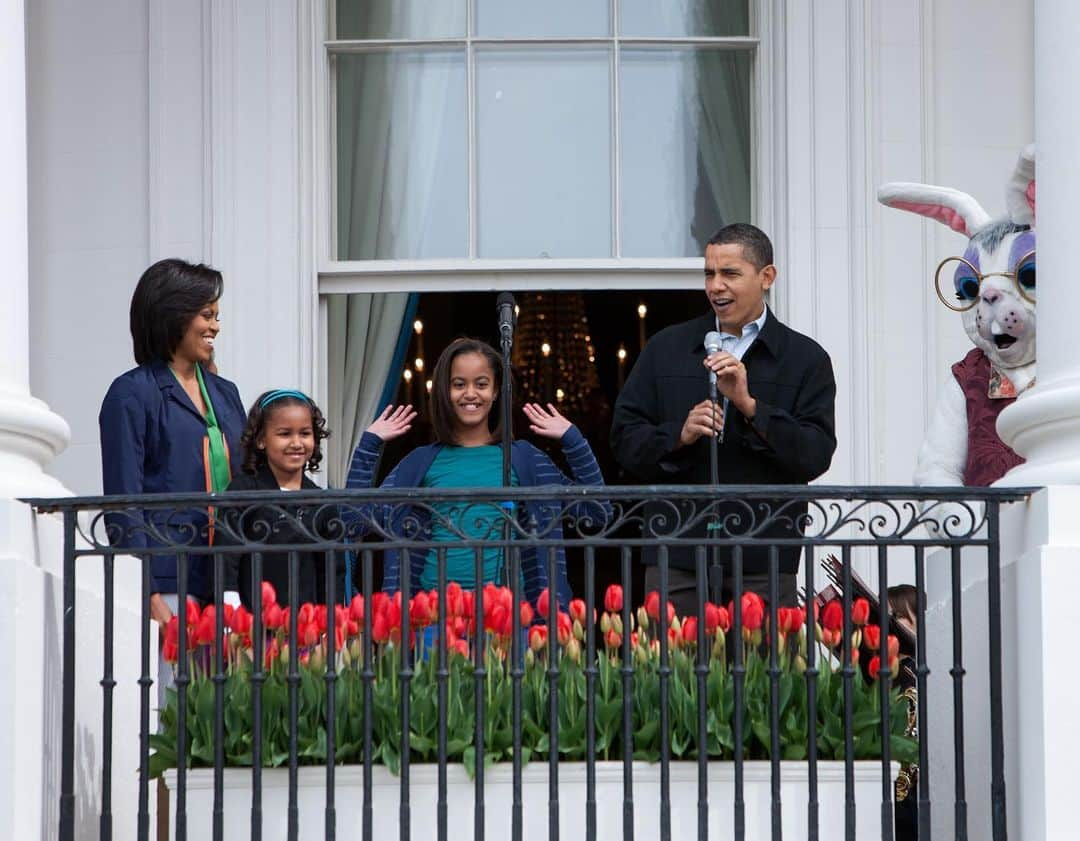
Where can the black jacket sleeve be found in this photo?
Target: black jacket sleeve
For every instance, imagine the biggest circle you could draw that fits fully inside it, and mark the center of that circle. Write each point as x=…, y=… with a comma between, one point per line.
x=643, y=441
x=801, y=441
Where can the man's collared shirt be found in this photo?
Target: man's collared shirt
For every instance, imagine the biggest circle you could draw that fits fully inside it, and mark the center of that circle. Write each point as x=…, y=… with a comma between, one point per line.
x=738, y=345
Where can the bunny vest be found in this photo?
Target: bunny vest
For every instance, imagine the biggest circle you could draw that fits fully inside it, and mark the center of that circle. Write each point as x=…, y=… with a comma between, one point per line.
x=988, y=457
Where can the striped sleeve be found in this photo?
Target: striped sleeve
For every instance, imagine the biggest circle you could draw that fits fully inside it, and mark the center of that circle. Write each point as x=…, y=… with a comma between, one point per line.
x=585, y=470
x=364, y=461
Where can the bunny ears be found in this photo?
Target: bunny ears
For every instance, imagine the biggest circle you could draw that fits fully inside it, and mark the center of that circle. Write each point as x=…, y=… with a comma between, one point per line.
x=960, y=211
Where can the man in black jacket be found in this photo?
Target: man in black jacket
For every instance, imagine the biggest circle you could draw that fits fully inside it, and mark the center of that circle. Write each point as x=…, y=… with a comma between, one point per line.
x=774, y=421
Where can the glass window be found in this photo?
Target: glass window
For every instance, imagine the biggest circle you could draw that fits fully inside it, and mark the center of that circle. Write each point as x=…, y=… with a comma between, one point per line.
x=683, y=18
x=544, y=190
x=548, y=19
x=685, y=129
x=395, y=19
x=402, y=187
x=514, y=130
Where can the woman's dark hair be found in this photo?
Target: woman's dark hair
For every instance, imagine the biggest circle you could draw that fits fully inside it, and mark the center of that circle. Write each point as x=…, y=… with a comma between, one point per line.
x=442, y=410
x=168, y=296
x=258, y=419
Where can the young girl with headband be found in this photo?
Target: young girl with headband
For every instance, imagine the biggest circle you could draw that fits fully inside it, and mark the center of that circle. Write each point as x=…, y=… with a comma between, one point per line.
x=281, y=442
x=467, y=422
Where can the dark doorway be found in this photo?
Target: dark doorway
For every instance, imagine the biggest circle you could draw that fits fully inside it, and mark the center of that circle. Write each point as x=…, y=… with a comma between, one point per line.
x=581, y=370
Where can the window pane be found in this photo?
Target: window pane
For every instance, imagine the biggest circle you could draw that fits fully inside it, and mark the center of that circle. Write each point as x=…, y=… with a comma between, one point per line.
x=685, y=155
x=544, y=153
x=401, y=158
x=548, y=19
x=362, y=19
x=678, y=18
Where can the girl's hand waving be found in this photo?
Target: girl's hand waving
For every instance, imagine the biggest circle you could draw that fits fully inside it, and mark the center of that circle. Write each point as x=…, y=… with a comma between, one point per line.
x=547, y=423
x=394, y=422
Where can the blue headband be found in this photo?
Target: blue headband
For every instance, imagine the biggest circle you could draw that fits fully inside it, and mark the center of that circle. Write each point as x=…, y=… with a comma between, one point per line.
x=278, y=394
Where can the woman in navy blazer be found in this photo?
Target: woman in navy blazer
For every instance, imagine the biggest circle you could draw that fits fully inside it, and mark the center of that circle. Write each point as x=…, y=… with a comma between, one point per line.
x=169, y=425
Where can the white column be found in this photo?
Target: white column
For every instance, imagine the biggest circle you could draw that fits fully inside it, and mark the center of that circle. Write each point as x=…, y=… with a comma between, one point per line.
x=30, y=434
x=1044, y=424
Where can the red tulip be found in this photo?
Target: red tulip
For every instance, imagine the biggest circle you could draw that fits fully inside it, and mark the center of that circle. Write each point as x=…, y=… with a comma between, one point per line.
x=204, y=630
x=753, y=611
x=356, y=609
x=461, y=647
x=612, y=639
x=273, y=616
x=527, y=614
x=307, y=614
x=874, y=668
x=872, y=637
x=170, y=648
x=716, y=618
x=690, y=629
x=380, y=627
x=564, y=627
x=538, y=637
x=860, y=612
x=193, y=612
x=652, y=607
x=310, y=634
x=832, y=617
x=790, y=619
x=241, y=621
x=578, y=611
x=455, y=601
x=543, y=604
x=613, y=598
x=420, y=610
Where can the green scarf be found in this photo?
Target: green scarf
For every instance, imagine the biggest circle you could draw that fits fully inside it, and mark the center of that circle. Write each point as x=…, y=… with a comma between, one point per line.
x=219, y=473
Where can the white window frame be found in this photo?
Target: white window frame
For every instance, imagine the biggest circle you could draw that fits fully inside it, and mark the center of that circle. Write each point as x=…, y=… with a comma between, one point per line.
x=337, y=277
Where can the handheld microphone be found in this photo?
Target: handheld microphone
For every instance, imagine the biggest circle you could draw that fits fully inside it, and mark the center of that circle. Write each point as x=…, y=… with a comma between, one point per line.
x=712, y=345
x=505, y=306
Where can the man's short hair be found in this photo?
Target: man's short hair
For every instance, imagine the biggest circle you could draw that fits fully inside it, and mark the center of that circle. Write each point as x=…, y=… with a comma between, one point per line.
x=756, y=245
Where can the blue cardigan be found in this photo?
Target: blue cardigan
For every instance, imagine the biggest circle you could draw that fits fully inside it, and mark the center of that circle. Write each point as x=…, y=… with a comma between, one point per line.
x=152, y=442
x=533, y=468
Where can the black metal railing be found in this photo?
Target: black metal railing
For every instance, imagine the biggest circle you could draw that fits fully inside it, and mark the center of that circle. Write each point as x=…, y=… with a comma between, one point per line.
x=729, y=532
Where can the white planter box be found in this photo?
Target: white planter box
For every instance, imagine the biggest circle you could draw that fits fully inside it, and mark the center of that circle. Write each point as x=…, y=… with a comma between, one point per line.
x=499, y=796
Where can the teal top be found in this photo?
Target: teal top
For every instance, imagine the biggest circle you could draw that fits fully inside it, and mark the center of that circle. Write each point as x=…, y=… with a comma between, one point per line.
x=465, y=467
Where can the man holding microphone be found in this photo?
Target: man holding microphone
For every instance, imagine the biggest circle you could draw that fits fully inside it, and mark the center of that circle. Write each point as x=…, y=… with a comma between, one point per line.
x=773, y=422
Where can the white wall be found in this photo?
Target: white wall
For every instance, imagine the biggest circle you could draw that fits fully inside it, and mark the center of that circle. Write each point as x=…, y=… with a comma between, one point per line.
x=87, y=127
x=161, y=129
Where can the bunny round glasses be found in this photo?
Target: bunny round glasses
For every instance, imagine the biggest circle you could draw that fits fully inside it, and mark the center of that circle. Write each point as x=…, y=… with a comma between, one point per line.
x=968, y=279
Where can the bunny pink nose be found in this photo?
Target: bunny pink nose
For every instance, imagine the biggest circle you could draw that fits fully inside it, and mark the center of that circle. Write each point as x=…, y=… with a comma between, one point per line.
x=991, y=296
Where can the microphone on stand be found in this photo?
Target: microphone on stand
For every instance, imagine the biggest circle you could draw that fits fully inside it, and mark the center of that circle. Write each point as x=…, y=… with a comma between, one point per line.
x=505, y=306
x=713, y=344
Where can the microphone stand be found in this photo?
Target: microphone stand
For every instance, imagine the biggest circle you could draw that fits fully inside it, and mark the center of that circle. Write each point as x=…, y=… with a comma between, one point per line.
x=716, y=570
x=507, y=320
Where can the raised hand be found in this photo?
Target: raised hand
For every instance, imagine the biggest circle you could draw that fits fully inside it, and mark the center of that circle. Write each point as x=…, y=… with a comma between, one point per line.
x=394, y=422
x=704, y=419
x=547, y=423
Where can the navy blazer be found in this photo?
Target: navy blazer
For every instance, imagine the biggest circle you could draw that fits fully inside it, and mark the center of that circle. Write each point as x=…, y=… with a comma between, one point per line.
x=152, y=442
